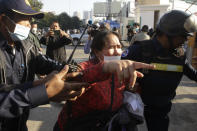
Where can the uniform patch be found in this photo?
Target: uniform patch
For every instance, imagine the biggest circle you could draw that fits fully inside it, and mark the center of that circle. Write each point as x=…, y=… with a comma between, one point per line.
x=125, y=53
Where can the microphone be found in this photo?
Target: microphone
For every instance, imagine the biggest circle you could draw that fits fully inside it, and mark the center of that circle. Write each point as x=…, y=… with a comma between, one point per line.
x=89, y=22
x=93, y=25
x=71, y=55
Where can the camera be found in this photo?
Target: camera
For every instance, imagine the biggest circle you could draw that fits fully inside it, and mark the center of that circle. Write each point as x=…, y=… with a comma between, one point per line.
x=93, y=30
x=56, y=32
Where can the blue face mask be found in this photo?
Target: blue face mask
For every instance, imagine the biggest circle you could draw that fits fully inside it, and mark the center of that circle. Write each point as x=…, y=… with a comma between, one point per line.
x=20, y=32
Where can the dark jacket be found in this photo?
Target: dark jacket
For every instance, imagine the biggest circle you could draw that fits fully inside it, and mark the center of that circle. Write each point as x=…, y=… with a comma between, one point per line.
x=158, y=87
x=16, y=100
x=56, y=47
x=34, y=38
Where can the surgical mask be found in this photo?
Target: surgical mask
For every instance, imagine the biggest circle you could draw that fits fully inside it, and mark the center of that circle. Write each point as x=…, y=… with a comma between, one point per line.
x=108, y=58
x=20, y=32
x=34, y=30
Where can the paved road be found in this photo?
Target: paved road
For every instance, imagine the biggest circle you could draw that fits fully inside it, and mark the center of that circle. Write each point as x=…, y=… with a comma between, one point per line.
x=183, y=114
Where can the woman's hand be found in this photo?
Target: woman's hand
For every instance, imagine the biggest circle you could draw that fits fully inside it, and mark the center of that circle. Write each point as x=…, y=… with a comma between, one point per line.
x=126, y=69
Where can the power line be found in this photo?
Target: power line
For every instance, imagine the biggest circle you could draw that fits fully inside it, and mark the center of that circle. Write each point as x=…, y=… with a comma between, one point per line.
x=190, y=5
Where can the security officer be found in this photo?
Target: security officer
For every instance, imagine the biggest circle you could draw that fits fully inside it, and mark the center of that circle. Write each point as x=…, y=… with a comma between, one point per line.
x=158, y=86
x=20, y=60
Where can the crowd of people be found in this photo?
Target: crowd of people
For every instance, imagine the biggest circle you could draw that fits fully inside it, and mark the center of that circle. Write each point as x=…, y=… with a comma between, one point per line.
x=94, y=91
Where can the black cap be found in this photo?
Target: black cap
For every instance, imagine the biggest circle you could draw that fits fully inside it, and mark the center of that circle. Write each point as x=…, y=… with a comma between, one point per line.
x=20, y=7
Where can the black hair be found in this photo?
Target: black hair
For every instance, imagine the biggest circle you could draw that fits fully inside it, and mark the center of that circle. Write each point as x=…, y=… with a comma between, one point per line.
x=114, y=28
x=55, y=22
x=136, y=24
x=144, y=28
x=151, y=32
x=99, y=41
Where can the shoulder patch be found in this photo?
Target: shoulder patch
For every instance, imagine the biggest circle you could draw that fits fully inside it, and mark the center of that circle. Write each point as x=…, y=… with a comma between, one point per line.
x=125, y=53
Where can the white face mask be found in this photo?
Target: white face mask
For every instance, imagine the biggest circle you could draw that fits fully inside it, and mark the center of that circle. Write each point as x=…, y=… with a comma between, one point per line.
x=20, y=33
x=34, y=30
x=107, y=58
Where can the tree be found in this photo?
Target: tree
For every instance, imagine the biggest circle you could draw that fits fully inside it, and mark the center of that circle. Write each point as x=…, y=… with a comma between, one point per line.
x=76, y=23
x=36, y=4
x=47, y=20
x=64, y=21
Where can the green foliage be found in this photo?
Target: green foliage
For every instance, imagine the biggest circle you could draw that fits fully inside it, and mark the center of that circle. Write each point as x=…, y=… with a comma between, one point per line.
x=36, y=4
x=65, y=21
x=47, y=20
x=76, y=23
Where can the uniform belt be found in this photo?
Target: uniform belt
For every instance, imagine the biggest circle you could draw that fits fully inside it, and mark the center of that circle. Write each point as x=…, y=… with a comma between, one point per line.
x=168, y=67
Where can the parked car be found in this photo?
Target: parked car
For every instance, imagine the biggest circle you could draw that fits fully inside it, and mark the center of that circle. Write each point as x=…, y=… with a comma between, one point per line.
x=76, y=38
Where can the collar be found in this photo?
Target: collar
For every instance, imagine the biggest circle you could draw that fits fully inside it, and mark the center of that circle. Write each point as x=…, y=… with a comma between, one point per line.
x=160, y=50
x=4, y=43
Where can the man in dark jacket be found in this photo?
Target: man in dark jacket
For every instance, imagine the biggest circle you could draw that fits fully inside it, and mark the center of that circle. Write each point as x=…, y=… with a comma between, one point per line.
x=55, y=40
x=20, y=60
x=34, y=36
x=159, y=85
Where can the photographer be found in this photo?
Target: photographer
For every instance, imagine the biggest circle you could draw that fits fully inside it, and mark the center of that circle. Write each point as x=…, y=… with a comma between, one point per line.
x=55, y=40
x=132, y=30
x=92, y=31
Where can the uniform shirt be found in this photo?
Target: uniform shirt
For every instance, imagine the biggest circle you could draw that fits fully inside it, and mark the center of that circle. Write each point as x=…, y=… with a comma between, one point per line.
x=15, y=103
x=158, y=87
x=14, y=64
x=12, y=103
x=134, y=52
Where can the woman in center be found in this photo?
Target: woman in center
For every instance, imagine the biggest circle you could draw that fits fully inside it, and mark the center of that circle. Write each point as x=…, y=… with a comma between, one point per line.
x=92, y=110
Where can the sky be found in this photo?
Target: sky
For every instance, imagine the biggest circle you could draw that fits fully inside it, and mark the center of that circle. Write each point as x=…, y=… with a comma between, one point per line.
x=68, y=6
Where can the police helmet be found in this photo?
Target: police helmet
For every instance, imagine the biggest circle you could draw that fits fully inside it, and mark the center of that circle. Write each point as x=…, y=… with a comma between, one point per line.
x=177, y=23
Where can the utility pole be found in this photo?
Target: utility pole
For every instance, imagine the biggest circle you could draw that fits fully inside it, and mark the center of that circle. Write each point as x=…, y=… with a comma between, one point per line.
x=173, y=5
x=69, y=8
x=109, y=14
